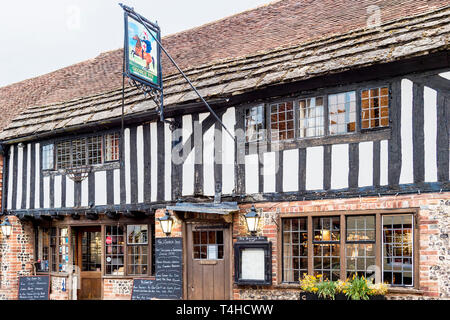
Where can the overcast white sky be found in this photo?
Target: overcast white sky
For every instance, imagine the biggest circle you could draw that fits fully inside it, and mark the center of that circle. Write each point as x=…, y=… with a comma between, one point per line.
x=37, y=37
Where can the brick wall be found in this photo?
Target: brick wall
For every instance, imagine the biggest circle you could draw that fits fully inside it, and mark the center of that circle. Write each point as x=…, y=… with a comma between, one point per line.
x=434, y=244
x=16, y=256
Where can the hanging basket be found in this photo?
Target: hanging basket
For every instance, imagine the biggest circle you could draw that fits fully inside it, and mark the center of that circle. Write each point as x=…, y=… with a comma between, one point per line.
x=77, y=174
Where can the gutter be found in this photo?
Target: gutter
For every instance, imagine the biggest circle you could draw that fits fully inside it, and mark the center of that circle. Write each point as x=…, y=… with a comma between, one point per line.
x=128, y=119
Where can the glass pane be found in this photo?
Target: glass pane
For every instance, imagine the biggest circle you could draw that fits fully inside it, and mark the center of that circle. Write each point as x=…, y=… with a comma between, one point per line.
x=114, y=248
x=137, y=234
x=371, y=114
x=398, y=249
x=342, y=112
x=295, y=253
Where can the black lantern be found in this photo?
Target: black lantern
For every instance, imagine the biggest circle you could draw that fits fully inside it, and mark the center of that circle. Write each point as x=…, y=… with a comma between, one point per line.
x=6, y=227
x=166, y=223
x=252, y=219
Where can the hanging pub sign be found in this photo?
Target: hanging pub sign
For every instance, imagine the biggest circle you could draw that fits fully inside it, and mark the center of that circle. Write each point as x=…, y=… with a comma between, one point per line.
x=142, y=52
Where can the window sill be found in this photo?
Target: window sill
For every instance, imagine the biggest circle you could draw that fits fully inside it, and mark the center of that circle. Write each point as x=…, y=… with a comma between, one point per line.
x=398, y=290
x=128, y=277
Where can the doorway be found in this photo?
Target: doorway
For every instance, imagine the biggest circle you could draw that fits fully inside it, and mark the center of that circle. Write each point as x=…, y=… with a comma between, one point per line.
x=208, y=262
x=88, y=257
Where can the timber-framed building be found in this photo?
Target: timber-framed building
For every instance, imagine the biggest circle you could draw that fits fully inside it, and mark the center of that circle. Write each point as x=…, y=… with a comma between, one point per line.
x=341, y=143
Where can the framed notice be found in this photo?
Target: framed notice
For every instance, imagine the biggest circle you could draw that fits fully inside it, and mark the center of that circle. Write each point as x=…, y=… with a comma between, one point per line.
x=253, y=261
x=142, y=52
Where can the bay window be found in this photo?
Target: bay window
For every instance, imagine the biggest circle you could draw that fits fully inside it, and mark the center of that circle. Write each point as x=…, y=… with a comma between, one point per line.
x=375, y=245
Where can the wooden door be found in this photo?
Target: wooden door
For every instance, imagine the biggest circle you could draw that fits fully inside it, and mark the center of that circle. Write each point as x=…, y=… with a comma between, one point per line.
x=208, y=262
x=89, y=255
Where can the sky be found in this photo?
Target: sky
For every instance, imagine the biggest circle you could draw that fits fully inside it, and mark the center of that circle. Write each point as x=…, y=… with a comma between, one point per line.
x=38, y=37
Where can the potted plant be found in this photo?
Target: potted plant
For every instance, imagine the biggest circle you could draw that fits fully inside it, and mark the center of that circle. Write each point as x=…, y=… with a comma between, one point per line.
x=360, y=289
x=378, y=291
x=309, y=286
x=357, y=288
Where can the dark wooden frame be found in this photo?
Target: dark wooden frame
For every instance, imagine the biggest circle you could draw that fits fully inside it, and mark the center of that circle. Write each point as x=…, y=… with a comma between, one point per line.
x=102, y=222
x=102, y=133
x=378, y=241
x=49, y=284
x=267, y=247
x=358, y=135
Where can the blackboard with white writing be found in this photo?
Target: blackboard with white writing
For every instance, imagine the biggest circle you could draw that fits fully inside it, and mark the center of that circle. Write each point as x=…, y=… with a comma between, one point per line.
x=34, y=288
x=168, y=283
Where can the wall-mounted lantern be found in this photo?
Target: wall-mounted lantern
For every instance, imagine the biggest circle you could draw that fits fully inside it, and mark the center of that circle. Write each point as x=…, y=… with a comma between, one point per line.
x=252, y=219
x=166, y=223
x=6, y=228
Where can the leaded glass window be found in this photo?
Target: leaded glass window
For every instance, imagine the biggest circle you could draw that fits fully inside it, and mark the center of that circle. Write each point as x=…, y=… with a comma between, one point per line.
x=114, y=248
x=295, y=249
x=342, y=112
x=360, y=246
x=282, y=121
x=254, y=123
x=47, y=157
x=375, y=108
x=326, y=247
x=398, y=249
x=137, y=243
x=311, y=117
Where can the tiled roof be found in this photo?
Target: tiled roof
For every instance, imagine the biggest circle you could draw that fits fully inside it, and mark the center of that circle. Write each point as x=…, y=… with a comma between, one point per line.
x=397, y=40
x=279, y=24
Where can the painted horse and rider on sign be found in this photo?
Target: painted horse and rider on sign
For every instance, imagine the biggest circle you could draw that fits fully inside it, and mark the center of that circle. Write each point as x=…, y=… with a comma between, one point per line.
x=142, y=52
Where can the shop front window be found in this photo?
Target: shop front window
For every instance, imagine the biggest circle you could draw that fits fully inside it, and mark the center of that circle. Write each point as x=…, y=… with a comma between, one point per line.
x=63, y=256
x=295, y=249
x=137, y=249
x=358, y=256
x=115, y=248
x=53, y=249
x=360, y=246
x=326, y=247
x=43, y=250
x=398, y=250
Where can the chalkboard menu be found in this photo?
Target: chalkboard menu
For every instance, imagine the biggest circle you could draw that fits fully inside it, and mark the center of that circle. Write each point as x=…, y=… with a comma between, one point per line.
x=34, y=288
x=168, y=283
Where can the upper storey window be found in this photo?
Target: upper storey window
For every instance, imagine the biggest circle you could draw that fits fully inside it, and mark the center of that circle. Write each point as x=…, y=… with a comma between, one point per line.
x=282, y=121
x=342, y=112
x=311, y=117
x=327, y=114
x=80, y=152
x=254, y=123
x=47, y=156
x=375, y=108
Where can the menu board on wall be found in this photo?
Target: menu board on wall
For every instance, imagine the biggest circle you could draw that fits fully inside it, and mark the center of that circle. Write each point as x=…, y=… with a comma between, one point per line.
x=34, y=288
x=168, y=282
